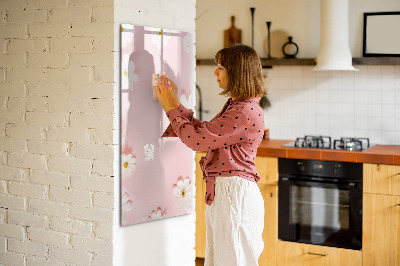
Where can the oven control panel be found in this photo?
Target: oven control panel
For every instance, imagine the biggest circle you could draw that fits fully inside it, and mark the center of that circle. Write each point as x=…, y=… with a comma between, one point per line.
x=330, y=169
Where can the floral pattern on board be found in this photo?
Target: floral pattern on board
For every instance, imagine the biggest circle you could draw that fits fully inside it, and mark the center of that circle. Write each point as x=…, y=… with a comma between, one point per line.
x=126, y=205
x=157, y=214
x=182, y=191
x=128, y=162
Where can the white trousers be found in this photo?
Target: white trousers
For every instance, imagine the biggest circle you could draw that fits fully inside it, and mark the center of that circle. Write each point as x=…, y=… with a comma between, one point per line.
x=234, y=223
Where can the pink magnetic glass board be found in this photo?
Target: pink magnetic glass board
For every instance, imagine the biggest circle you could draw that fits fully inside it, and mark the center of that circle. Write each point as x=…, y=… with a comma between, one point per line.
x=156, y=173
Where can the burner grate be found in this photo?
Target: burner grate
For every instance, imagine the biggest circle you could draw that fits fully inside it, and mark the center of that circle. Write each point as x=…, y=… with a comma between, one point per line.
x=324, y=142
x=321, y=142
x=351, y=144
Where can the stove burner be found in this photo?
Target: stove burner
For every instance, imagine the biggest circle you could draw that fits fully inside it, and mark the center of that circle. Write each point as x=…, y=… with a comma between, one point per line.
x=324, y=142
x=308, y=141
x=351, y=144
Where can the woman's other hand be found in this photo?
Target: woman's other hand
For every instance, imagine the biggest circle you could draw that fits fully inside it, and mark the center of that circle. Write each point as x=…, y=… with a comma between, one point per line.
x=164, y=94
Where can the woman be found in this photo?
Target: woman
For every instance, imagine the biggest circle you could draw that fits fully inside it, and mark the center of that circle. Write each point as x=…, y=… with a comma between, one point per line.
x=235, y=207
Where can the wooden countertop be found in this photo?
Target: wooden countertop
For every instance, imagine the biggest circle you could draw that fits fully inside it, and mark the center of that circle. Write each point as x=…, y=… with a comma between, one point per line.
x=379, y=154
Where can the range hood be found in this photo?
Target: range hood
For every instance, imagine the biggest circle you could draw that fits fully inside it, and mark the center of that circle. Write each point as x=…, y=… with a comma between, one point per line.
x=334, y=51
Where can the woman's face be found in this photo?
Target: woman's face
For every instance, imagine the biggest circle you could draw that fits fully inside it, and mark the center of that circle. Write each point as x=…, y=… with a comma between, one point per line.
x=222, y=76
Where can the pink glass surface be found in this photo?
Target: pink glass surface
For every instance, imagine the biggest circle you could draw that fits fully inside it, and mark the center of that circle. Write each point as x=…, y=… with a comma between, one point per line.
x=156, y=173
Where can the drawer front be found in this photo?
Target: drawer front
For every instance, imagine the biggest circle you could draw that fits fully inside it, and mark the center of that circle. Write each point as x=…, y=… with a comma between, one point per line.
x=293, y=254
x=381, y=179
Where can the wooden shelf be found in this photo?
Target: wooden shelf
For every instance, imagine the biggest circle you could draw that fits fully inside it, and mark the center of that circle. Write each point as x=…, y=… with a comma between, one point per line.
x=376, y=61
x=312, y=61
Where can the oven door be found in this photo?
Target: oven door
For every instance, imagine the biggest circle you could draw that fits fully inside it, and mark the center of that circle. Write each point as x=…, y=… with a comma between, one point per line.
x=321, y=212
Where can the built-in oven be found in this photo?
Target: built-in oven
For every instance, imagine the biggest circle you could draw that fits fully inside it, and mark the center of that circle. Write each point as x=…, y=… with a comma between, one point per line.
x=320, y=202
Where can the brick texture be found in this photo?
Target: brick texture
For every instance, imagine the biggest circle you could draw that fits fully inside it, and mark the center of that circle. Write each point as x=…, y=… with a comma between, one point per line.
x=58, y=126
x=56, y=116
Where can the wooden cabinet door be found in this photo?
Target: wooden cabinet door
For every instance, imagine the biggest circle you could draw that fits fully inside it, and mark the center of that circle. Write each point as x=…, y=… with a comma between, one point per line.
x=298, y=254
x=270, y=233
x=381, y=179
x=200, y=209
x=267, y=168
x=381, y=230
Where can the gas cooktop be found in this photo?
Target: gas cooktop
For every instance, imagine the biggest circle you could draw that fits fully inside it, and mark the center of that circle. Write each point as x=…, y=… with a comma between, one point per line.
x=325, y=142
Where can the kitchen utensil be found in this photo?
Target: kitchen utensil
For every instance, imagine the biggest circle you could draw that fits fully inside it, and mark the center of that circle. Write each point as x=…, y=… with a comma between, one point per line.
x=252, y=9
x=269, y=38
x=232, y=35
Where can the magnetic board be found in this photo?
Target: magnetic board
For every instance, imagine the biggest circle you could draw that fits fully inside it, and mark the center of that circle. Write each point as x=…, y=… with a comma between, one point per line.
x=156, y=173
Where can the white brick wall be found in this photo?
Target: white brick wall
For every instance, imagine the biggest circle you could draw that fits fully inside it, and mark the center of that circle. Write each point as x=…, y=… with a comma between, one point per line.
x=56, y=126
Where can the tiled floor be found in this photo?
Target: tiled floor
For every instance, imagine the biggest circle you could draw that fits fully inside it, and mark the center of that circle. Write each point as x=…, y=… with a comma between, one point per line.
x=199, y=262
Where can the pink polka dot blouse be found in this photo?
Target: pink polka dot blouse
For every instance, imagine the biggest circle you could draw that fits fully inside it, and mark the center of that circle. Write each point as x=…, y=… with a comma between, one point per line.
x=231, y=139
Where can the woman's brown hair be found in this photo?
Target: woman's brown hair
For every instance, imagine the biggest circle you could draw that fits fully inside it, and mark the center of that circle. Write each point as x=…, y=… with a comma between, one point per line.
x=245, y=78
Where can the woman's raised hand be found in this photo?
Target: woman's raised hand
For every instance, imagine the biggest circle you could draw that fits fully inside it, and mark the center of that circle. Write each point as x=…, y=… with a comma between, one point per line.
x=164, y=93
x=174, y=90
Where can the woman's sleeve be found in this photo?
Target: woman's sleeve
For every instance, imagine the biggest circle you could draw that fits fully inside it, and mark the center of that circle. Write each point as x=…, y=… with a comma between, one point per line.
x=186, y=113
x=223, y=131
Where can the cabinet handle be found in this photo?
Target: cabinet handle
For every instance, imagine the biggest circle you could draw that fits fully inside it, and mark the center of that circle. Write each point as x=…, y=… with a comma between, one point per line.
x=398, y=204
x=318, y=254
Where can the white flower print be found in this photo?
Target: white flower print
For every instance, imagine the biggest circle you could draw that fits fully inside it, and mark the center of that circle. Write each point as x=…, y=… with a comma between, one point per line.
x=126, y=206
x=126, y=202
x=182, y=191
x=128, y=165
x=148, y=152
x=125, y=66
x=132, y=76
x=157, y=214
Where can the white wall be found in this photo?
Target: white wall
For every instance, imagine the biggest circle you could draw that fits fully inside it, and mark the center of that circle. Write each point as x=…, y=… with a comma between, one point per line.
x=338, y=104
x=299, y=18
x=170, y=241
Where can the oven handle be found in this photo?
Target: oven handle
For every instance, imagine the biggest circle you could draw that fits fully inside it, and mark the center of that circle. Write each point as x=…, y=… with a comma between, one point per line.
x=297, y=181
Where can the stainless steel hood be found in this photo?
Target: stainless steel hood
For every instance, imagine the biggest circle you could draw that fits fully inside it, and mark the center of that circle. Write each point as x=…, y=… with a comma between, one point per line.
x=334, y=52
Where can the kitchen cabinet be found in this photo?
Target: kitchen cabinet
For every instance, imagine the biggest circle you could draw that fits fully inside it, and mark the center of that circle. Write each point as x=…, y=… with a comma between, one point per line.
x=200, y=209
x=381, y=215
x=270, y=233
x=291, y=253
x=381, y=179
x=381, y=230
x=267, y=168
x=381, y=221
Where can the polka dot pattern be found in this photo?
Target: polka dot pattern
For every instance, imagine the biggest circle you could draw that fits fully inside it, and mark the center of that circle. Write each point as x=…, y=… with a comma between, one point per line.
x=231, y=139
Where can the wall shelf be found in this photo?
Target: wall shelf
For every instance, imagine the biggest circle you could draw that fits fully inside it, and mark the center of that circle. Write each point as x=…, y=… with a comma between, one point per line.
x=312, y=61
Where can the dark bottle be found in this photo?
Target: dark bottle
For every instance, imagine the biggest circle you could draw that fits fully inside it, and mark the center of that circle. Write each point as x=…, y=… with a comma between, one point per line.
x=290, y=49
